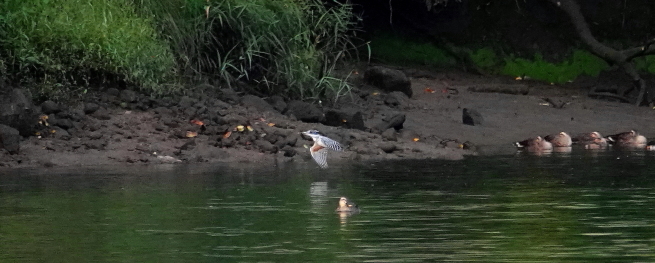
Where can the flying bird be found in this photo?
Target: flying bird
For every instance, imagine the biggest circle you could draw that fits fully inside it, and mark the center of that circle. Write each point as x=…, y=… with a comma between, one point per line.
x=320, y=148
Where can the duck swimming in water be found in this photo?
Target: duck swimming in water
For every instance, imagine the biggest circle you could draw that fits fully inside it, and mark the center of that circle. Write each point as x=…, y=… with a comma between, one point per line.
x=347, y=206
x=592, y=140
x=536, y=144
x=628, y=139
x=561, y=139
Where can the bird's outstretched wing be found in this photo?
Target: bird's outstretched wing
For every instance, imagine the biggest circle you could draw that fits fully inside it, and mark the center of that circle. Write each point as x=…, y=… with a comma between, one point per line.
x=320, y=156
x=332, y=144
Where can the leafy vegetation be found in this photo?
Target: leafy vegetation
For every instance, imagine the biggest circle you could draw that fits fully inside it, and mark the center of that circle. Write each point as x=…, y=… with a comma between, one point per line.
x=581, y=62
x=405, y=52
x=397, y=50
x=63, y=44
x=287, y=47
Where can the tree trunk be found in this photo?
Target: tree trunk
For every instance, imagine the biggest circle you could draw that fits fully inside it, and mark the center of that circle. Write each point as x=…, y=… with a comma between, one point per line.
x=621, y=58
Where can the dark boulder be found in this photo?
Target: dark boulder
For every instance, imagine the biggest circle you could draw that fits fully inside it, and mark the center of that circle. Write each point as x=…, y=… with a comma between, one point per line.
x=471, y=117
x=90, y=107
x=266, y=146
x=390, y=119
x=254, y=102
x=388, y=80
x=102, y=114
x=390, y=135
x=396, y=99
x=9, y=139
x=128, y=96
x=349, y=118
x=62, y=123
x=17, y=111
x=304, y=111
x=50, y=107
x=387, y=147
x=186, y=102
x=277, y=102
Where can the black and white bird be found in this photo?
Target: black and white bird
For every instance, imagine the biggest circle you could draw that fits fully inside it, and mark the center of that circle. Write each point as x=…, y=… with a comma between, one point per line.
x=320, y=148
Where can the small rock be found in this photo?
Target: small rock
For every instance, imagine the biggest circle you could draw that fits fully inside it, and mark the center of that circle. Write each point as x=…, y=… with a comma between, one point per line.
x=266, y=146
x=94, y=135
x=388, y=80
x=304, y=111
x=113, y=91
x=95, y=144
x=9, y=139
x=387, y=147
x=409, y=135
x=278, y=103
x=396, y=98
x=63, y=123
x=188, y=145
x=90, y=107
x=254, y=102
x=471, y=117
x=390, y=134
x=186, y=102
x=102, y=114
x=128, y=96
x=289, y=151
x=50, y=107
x=348, y=118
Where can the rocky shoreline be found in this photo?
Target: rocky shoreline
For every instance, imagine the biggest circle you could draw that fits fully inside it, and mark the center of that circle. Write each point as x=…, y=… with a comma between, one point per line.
x=125, y=127
x=392, y=114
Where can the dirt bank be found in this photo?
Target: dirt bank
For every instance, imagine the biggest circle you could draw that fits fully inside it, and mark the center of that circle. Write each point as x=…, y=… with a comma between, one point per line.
x=133, y=129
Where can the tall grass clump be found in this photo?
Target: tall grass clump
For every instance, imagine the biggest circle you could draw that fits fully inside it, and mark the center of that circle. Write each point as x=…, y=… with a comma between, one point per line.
x=63, y=44
x=287, y=47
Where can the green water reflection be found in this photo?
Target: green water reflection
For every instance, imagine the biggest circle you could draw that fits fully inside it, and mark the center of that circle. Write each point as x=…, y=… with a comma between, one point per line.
x=578, y=207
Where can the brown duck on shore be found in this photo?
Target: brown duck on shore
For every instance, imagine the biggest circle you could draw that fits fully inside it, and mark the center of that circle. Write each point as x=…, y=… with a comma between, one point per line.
x=536, y=144
x=627, y=139
x=561, y=139
x=592, y=140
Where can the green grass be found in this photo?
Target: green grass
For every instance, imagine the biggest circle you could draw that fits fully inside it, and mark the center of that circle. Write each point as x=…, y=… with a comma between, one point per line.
x=401, y=51
x=581, y=62
x=61, y=44
x=286, y=47
x=397, y=50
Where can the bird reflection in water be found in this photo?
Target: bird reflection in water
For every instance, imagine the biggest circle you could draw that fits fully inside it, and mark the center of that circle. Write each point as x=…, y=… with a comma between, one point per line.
x=346, y=209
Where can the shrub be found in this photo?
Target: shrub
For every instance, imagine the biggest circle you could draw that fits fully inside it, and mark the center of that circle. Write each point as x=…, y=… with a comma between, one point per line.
x=61, y=44
x=287, y=47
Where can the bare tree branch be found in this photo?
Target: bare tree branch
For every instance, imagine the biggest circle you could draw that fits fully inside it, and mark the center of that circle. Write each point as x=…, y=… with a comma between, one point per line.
x=621, y=58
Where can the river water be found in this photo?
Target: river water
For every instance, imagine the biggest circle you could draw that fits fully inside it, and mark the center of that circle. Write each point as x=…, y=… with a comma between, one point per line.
x=563, y=207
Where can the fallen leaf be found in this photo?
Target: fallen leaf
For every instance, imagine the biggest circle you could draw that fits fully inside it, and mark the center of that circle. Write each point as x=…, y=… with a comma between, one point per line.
x=197, y=122
x=415, y=139
x=227, y=134
x=344, y=120
x=190, y=134
x=250, y=128
x=240, y=128
x=271, y=124
x=429, y=90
